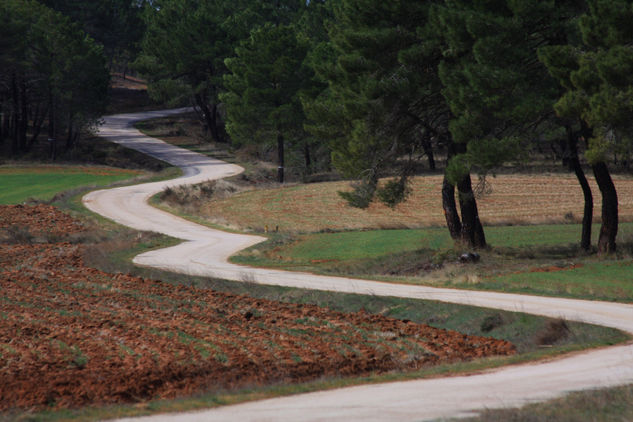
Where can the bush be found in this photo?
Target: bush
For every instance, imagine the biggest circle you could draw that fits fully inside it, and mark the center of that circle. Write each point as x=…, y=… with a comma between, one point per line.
x=16, y=234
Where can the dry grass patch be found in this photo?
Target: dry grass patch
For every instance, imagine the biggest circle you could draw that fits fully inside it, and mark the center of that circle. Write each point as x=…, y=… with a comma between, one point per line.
x=510, y=199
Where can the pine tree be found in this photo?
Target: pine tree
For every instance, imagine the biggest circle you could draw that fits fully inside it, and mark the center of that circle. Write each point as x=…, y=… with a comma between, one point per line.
x=596, y=73
x=499, y=93
x=115, y=24
x=264, y=85
x=183, y=55
x=383, y=106
x=53, y=71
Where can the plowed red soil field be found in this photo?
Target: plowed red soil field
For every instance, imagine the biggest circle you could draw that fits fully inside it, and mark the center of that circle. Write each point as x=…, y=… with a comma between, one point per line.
x=71, y=335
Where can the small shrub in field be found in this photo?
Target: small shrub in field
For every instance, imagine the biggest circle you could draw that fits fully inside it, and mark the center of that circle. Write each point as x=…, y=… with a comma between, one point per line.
x=443, y=255
x=553, y=332
x=168, y=195
x=17, y=234
x=195, y=195
x=361, y=196
x=491, y=322
x=393, y=192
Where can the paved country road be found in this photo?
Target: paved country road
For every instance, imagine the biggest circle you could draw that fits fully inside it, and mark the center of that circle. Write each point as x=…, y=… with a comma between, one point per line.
x=204, y=252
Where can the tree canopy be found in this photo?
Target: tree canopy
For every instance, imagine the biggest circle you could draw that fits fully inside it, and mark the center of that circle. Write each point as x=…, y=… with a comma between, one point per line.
x=51, y=71
x=263, y=89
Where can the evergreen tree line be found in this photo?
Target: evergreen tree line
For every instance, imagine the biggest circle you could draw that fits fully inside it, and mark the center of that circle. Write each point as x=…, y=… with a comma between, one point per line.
x=55, y=57
x=384, y=85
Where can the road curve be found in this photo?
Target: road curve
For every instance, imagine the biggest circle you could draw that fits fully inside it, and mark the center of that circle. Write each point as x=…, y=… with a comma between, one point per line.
x=205, y=251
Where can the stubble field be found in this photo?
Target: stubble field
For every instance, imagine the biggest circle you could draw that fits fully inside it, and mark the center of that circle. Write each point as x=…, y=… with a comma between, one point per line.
x=506, y=199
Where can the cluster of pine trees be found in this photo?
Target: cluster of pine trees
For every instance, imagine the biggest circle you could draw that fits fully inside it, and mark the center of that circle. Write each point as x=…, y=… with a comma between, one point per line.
x=55, y=57
x=386, y=84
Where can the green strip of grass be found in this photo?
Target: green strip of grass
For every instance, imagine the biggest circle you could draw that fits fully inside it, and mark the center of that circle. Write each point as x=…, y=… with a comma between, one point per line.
x=361, y=245
x=606, y=405
x=373, y=243
x=43, y=183
x=428, y=256
x=604, y=280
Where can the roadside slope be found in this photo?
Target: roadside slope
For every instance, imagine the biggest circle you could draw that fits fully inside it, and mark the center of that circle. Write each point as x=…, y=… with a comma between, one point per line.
x=205, y=252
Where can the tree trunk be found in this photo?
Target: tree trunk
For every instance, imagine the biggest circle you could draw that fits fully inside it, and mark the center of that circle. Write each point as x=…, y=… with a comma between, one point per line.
x=3, y=119
x=6, y=122
x=52, y=139
x=24, y=113
x=453, y=223
x=16, y=118
x=71, y=135
x=609, y=227
x=215, y=131
x=428, y=150
x=574, y=164
x=307, y=158
x=280, y=157
x=450, y=210
x=38, y=121
x=472, y=231
x=209, y=116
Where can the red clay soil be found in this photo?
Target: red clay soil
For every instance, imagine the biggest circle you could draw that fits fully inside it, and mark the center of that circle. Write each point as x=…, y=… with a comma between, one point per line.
x=555, y=268
x=72, y=335
x=39, y=219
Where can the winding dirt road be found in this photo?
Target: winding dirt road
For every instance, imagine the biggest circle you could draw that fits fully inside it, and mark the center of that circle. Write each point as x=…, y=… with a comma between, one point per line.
x=205, y=252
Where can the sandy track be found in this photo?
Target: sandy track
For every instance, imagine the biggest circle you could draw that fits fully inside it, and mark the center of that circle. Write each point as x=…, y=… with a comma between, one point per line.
x=205, y=252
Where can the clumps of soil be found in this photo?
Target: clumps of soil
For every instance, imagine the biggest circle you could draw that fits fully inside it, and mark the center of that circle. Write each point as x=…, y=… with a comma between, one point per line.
x=27, y=223
x=73, y=335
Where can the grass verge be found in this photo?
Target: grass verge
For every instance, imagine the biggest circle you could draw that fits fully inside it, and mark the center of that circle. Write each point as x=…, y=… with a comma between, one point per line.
x=604, y=405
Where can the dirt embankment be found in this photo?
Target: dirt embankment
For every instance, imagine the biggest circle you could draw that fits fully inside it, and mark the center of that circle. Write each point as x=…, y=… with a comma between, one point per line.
x=71, y=335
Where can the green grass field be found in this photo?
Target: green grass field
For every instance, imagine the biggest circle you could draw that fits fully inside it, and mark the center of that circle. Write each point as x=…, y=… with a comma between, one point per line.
x=527, y=259
x=610, y=280
x=374, y=243
x=44, y=182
